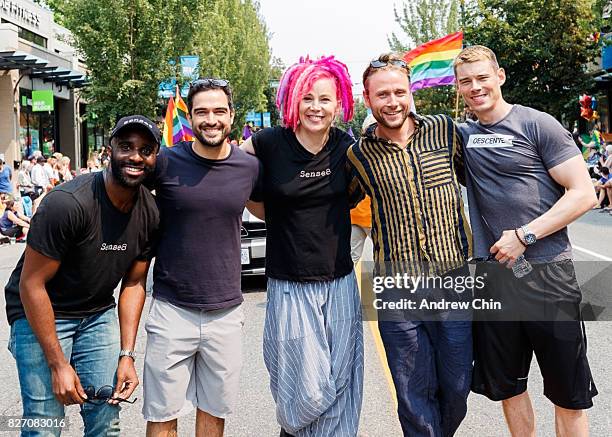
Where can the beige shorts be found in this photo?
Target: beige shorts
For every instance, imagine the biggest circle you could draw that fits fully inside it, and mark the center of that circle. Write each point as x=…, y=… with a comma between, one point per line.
x=193, y=360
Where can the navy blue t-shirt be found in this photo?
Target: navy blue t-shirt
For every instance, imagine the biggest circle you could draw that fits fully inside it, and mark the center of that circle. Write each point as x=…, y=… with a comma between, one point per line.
x=201, y=202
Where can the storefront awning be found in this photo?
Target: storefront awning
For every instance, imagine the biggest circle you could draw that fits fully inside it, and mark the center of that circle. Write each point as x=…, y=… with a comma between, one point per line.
x=40, y=68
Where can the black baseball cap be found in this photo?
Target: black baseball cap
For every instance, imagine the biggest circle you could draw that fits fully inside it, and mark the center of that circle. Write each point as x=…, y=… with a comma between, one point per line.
x=137, y=120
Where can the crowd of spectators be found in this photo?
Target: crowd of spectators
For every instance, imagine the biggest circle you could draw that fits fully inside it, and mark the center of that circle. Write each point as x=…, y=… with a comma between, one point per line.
x=36, y=176
x=599, y=162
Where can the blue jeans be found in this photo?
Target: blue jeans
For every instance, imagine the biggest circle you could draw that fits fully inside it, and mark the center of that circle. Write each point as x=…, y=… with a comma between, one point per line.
x=91, y=344
x=431, y=365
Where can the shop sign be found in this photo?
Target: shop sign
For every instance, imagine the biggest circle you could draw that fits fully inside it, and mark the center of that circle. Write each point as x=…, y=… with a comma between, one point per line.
x=42, y=101
x=14, y=9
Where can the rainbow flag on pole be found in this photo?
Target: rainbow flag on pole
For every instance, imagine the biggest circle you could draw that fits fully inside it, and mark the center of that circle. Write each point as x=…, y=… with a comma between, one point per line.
x=431, y=64
x=176, y=124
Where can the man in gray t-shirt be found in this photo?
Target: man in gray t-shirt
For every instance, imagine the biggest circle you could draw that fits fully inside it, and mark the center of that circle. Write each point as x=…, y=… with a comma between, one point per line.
x=526, y=182
x=508, y=181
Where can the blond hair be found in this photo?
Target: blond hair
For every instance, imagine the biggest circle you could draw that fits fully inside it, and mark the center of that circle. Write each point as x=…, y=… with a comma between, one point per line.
x=474, y=54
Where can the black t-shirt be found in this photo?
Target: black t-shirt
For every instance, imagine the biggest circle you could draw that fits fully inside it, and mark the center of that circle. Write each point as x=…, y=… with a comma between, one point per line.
x=307, y=206
x=201, y=202
x=77, y=224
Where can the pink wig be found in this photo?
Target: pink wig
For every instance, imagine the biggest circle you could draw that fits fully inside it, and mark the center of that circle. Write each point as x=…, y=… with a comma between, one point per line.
x=298, y=80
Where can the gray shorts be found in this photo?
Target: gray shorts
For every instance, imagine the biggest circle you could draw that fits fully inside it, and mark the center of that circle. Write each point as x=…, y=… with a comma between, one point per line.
x=193, y=360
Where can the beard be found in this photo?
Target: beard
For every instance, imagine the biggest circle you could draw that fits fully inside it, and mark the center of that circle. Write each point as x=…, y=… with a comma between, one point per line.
x=119, y=174
x=381, y=120
x=225, y=131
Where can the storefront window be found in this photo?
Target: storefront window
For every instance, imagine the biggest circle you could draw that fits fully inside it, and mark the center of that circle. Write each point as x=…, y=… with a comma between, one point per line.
x=37, y=130
x=93, y=134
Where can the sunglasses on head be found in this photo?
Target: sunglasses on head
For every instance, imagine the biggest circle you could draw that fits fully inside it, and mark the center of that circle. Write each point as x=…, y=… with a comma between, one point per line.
x=104, y=394
x=209, y=81
x=376, y=63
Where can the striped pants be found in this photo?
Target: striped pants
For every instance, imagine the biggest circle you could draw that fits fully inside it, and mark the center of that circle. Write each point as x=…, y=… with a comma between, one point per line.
x=313, y=350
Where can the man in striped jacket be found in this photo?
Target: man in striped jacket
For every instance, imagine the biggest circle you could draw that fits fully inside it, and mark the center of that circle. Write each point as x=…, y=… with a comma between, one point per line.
x=409, y=166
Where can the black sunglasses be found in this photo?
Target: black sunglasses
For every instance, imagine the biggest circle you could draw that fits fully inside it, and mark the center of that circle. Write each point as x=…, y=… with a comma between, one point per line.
x=210, y=82
x=376, y=63
x=104, y=394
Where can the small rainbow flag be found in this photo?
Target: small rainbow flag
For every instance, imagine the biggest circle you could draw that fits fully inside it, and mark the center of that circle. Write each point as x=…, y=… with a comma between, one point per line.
x=431, y=64
x=176, y=123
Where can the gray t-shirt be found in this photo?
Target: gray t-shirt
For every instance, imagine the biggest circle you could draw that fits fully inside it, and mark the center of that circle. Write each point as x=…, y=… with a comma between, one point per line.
x=508, y=181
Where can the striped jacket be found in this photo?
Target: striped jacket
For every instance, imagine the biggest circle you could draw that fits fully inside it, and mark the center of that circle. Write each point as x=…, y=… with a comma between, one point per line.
x=418, y=220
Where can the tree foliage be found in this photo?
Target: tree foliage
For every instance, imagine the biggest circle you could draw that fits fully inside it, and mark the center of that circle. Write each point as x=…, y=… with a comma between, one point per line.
x=232, y=43
x=422, y=21
x=131, y=46
x=360, y=112
x=127, y=46
x=543, y=46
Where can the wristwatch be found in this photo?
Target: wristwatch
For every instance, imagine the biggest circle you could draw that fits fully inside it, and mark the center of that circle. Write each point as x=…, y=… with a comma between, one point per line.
x=127, y=353
x=530, y=238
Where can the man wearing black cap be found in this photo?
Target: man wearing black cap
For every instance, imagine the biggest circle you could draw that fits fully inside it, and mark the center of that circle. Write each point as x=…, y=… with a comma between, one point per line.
x=87, y=236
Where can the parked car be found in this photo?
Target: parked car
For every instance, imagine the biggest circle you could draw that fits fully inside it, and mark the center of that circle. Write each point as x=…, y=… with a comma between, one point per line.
x=253, y=245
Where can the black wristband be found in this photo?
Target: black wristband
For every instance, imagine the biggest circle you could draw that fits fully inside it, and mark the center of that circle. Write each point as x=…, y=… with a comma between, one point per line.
x=519, y=238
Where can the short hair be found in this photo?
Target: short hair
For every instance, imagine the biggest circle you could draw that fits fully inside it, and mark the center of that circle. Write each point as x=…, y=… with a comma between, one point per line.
x=474, y=54
x=298, y=80
x=605, y=170
x=207, y=84
x=387, y=58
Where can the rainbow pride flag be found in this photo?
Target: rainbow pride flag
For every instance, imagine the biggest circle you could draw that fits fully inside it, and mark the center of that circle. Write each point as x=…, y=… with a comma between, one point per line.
x=176, y=123
x=431, y=64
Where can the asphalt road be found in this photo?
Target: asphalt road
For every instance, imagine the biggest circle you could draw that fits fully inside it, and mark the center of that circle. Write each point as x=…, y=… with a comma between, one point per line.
x=255, y=415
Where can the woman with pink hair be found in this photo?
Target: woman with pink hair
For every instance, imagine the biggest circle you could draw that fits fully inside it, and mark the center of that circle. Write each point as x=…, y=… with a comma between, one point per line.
x=313, y=340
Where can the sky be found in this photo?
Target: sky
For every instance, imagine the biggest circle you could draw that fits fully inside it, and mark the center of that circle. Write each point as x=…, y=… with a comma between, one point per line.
x=354, y=31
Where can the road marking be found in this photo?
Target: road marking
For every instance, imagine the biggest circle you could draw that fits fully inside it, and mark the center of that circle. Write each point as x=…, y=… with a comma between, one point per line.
x=382, y=356
x=380, y=348
x=590, y=252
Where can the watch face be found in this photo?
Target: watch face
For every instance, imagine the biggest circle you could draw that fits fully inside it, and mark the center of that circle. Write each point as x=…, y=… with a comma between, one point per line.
x=530, y=238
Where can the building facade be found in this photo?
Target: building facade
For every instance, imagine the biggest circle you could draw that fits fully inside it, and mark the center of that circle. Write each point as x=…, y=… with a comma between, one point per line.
x=40, y=78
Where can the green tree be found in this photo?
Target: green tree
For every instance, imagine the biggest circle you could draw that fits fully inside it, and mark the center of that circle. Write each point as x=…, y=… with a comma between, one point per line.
x=127, y=45
x=277, y=67
x=233, y=44
x=130, y=46
x=360, y=112
x=543, y=46
x=422, y=21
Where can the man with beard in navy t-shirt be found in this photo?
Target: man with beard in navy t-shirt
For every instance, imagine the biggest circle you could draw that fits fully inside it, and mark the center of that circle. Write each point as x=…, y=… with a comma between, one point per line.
x=194, y=344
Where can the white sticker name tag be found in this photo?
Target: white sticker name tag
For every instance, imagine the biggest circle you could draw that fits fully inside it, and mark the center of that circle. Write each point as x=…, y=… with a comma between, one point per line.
x=490, y=140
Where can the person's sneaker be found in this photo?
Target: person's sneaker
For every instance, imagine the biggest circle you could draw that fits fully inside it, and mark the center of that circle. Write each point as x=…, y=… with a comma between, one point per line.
x=4, y=240
x=284, y=433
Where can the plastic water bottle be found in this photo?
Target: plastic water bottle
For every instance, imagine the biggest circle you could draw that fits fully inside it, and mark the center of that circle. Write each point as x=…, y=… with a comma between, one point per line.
x=521, y=267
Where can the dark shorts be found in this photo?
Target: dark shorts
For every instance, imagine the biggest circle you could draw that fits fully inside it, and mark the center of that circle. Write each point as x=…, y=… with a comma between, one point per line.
x=503, y=349
x=15, y=231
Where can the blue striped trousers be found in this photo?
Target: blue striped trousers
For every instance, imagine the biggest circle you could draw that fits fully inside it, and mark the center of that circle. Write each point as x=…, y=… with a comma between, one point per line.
x=313, y=350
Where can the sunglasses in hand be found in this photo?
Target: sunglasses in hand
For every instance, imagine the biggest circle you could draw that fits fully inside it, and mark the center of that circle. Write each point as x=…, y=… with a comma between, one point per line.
x=103, y=395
